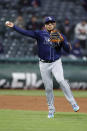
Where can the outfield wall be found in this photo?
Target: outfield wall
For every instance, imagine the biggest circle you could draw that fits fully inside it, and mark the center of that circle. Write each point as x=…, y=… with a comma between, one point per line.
x=25, y=73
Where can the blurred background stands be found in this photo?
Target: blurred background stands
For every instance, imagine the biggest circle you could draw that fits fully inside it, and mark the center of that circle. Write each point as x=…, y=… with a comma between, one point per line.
x=17, y=46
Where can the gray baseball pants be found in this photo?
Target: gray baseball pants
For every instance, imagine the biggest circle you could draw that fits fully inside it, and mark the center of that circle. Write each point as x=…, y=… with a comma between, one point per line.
x=48, y=70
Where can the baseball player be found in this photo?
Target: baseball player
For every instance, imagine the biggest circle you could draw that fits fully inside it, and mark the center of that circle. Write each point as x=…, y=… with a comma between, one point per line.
x=50, y=42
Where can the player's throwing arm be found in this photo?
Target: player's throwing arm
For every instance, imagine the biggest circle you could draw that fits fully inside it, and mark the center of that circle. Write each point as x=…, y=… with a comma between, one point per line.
x=9, y=24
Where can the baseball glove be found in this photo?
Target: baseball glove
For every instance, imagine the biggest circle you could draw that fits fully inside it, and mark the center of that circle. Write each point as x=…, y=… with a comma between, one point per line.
x=56, y=37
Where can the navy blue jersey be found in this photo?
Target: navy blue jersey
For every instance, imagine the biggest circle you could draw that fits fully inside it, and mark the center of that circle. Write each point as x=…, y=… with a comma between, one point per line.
x=45, y=49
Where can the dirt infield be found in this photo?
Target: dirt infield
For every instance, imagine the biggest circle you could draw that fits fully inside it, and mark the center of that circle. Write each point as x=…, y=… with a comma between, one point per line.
x=39, y=103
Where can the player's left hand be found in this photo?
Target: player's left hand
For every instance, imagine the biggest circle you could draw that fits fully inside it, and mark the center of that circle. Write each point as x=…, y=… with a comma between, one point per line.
x=56, y=37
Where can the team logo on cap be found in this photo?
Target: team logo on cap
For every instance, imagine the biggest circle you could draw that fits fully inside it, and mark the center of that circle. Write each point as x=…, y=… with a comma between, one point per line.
x=49, y=18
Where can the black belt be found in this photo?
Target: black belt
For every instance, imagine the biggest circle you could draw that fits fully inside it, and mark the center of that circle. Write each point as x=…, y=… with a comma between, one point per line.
x=47, y=61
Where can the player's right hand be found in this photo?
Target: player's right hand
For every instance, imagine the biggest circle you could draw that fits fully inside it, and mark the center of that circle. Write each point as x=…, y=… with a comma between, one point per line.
x=9, y=24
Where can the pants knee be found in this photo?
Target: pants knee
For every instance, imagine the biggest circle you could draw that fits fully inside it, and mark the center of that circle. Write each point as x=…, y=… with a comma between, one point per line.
x=48, y=89
x=64, y=84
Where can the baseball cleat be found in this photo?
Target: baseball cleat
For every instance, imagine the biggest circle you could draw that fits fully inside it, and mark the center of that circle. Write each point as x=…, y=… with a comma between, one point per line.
x=51, y=115
x=75, y=107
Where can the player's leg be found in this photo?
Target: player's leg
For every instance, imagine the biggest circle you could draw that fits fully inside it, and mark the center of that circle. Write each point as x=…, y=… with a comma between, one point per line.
x=58, y=74
x=48, y=83
x=68, y=94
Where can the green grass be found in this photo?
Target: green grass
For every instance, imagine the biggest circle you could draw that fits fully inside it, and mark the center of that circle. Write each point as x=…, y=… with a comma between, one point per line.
x=18, y=120
x=12, y=120
x=40, y=93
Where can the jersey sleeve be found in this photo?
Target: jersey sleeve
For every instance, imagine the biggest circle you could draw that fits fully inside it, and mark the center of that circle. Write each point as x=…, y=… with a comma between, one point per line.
x=66, y=45
x=31, y=33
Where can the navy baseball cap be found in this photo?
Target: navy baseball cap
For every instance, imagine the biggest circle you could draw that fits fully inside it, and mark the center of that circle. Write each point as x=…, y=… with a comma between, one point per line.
x=49, y=19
